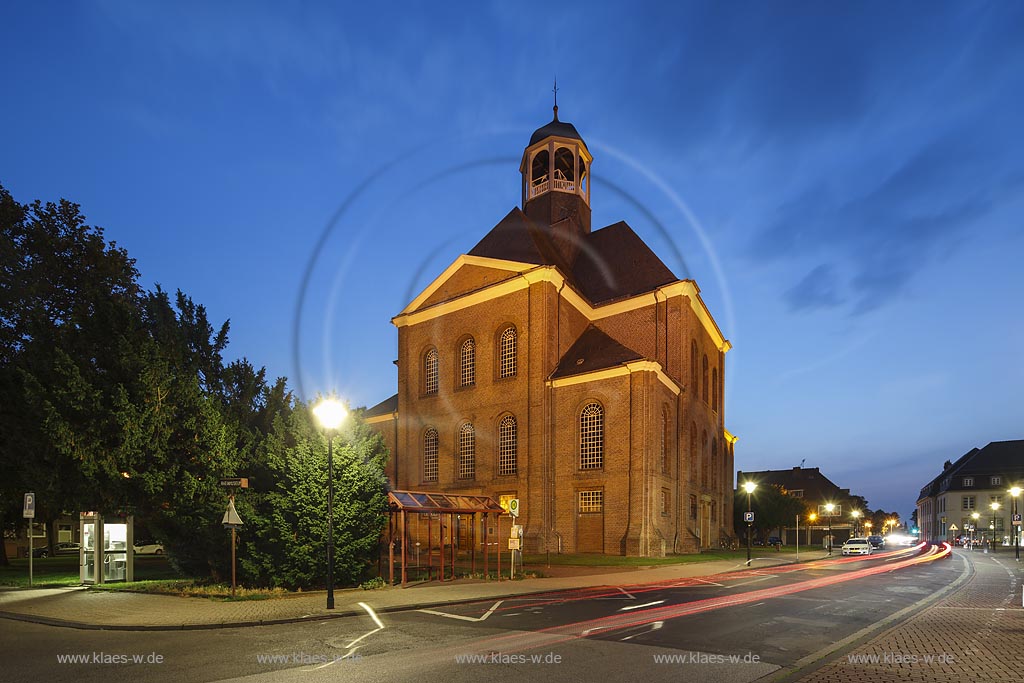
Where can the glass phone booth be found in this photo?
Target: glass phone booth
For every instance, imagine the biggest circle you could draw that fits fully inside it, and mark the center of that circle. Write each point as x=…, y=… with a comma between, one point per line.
x=106, y=552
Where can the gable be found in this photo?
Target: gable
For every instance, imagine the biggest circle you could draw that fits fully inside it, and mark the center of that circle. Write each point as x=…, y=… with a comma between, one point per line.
x=468, y=278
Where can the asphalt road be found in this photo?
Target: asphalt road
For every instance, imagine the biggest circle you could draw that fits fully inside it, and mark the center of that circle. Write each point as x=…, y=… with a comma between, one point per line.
x=733, y=627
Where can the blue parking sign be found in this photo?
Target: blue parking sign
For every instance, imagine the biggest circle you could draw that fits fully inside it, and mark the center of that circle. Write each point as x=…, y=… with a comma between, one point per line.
x=748, y=517
x=29, y=511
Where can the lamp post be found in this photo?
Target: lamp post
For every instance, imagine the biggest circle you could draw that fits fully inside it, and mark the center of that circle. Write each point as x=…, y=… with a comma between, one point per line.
x=829, y=508
x=811, y=518
x=749, y=488
x=1015, y=492
x=995, y=506
x=856, y=521
x=330, y=413
x=974, y=529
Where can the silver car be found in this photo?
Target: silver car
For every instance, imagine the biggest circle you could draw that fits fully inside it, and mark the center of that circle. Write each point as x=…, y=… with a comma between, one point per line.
x=857, y=546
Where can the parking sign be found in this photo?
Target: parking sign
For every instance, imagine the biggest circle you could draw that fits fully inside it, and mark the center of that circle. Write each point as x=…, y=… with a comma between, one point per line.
x=29, y=511
x=748, y=517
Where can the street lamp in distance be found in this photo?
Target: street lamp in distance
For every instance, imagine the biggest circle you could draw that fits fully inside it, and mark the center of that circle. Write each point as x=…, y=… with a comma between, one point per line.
x=830, y=508
x=330, y=413
x=974, y=529
x=856, y=522
x=1015, y=524
x=749, y=488
x=995, y=506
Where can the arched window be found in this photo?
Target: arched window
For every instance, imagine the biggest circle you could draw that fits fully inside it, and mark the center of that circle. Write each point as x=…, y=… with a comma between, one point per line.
x=467, y=451
x=693, y=364
x=664, y=440
x=714, y=389
x=507, y=353
x=704, y=378
x=714, y=463
x=694, y=455
x=704, y=459
x=564, y=161
x=430, y=372
x=467, y=363
x=430, y=454
x=507, y=447
x=592, y=437
x=539, y=169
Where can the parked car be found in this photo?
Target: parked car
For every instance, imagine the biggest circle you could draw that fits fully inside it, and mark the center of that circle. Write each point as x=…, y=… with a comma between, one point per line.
x=876, y=541
x=149, y=548
x=857, y=546
x=67, y=548
x=775, y=541
x=40, y=552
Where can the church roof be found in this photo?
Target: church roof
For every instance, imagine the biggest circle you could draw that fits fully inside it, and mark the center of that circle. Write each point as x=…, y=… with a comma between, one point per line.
x=594, y=350
x=610, y=263
x=385, y=407
x=562, y=129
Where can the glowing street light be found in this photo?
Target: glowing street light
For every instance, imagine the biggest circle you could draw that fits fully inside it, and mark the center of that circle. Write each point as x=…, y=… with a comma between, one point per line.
x=974, y=528
x=829, y=508
x=995, y=506
x=330, y=413
x=856, y=521
x=1015, y=523
x=749, y=488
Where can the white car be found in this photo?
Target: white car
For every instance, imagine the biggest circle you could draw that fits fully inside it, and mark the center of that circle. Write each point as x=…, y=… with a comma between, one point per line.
x=857, y=546
x=149, y=548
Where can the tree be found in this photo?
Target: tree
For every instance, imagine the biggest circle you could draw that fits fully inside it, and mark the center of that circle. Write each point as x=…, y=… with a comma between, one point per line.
x=773, y=508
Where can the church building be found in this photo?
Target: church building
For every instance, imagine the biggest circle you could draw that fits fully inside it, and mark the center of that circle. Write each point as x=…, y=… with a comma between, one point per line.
x=569, y=368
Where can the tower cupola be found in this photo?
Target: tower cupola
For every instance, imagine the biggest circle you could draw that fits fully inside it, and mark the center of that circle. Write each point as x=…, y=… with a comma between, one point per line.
x=556, y=175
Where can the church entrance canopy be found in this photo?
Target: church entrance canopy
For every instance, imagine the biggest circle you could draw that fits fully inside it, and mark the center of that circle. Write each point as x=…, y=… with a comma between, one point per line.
x=448, y=511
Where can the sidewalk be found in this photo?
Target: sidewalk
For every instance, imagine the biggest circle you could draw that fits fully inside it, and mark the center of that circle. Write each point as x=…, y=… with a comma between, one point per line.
x=972, y=634
x=79, y=607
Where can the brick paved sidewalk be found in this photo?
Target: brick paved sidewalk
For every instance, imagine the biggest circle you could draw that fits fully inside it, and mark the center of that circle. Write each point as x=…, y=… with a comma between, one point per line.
x=974, y=634
x=84, y=608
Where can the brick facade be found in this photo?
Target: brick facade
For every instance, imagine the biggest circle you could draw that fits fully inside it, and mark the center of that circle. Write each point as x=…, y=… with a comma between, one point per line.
x=663, y=438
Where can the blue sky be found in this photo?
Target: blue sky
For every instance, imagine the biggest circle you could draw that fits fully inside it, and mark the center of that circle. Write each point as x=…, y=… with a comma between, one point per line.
x=845, y=181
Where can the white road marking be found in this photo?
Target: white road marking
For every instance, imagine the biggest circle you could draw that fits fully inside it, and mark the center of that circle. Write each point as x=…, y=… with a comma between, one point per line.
x=625, y=592
x=710, y=583
x=653, y=627
x=646, y=604
x=352, y=647
x=462, y=617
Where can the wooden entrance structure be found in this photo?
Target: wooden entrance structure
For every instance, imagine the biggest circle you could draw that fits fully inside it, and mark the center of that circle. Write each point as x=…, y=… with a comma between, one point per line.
x=439, y=507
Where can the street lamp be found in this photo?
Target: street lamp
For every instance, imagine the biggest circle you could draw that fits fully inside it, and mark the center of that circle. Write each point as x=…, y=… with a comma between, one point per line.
x=974, y=529
x=330, y=413
x=1015, y=524
x=749, y=488
x=995, y=506
x=811, y=518
x=829, y=507
x=856, y=521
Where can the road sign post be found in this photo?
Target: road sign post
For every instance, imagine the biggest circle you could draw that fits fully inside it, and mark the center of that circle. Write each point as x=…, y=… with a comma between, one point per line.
x=29, y=513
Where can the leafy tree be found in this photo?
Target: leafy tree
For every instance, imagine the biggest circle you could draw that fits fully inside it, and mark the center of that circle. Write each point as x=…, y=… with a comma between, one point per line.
x=773, y=508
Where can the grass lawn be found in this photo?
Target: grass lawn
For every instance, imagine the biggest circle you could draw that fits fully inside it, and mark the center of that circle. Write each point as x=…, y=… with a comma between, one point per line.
x=63, y=571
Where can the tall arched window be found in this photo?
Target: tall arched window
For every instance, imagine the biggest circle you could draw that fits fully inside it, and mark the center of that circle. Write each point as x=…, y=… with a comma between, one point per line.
x=467, y=363
x=714, y=389
x=430, y=454
x=664, y=440
x=507, y=446
x=715, y=466
x=507, y=353
x=539, y=168
x=704, y=378
x=592, y=437
x=430, y=372
x=704, y=459
x=467, y=451
x=694, y=455
x=693, y=364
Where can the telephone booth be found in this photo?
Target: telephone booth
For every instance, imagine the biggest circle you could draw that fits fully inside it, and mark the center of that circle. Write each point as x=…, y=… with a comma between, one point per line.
x=107, y=553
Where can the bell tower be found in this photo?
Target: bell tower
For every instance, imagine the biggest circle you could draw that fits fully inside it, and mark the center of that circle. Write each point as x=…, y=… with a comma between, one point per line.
x=556, y=182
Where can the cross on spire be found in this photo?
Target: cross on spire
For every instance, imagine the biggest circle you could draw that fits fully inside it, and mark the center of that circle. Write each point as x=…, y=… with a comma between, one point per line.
x=555, y=90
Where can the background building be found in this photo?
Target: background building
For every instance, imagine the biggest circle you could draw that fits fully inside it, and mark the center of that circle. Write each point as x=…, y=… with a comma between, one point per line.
x=816, y=490
x=977, y=479
x=569, y=368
